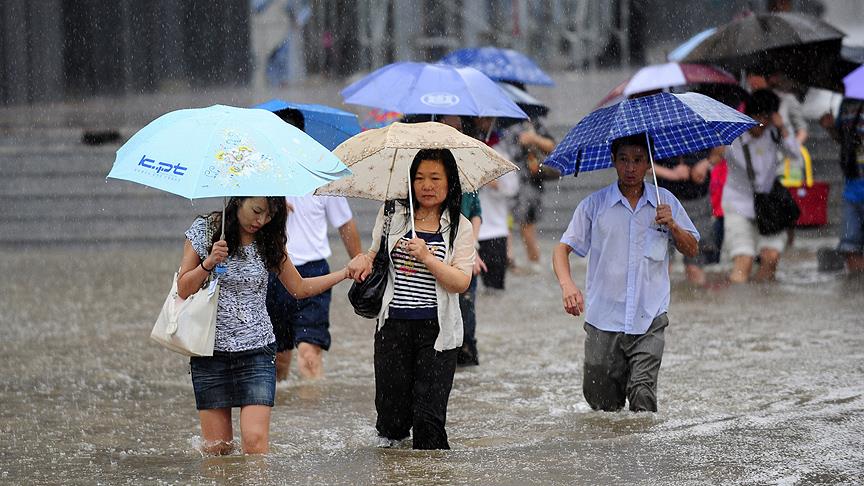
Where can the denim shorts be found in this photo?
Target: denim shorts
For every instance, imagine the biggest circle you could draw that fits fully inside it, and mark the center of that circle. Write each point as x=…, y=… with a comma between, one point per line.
x=852, y=236
x=235, y=379
x=300, y=321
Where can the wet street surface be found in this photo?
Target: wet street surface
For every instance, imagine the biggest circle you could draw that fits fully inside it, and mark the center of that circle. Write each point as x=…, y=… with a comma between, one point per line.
x=760, y=384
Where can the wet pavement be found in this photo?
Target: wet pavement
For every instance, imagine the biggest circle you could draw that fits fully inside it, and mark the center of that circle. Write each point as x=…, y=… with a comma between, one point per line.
x=760, y=384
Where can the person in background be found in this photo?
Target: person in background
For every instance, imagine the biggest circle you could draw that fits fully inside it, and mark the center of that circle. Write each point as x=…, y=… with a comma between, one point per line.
x=305, y=323
x=241, y=373
x=688, y=177
x=760, y=145
x=848, y=130
x=527, y=143
x=625, y=233
x=419, y=329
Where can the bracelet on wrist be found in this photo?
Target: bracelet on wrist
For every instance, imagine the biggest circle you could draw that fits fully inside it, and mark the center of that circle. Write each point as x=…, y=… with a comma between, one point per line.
x=205, y=268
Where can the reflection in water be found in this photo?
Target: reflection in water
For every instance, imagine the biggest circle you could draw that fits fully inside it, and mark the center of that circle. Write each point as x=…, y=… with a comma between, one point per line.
x=760, y=384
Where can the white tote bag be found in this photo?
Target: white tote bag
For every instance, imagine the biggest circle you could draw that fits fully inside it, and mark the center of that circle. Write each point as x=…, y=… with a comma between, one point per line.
x=188, y=326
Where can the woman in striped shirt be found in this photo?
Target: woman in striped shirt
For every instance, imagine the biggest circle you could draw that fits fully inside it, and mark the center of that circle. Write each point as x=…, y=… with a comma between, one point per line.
x=420, y=325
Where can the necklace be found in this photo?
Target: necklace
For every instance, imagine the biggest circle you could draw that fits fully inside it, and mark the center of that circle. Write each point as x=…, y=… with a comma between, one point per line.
x=424, y=218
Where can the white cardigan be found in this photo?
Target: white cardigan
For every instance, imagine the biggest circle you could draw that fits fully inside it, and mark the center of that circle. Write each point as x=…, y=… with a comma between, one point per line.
x=462, y=257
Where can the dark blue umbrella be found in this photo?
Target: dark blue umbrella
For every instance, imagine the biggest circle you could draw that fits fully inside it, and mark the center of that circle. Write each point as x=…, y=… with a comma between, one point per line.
x=500, y=65
x=677, y=124
x=432, y=89
x=328, y=126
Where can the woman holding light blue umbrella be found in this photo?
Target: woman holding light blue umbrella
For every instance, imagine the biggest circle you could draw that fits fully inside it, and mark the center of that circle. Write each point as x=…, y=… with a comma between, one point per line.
x=255, y=159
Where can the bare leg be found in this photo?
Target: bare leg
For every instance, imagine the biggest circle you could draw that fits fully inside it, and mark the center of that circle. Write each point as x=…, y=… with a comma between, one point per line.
x=741, y=267
x=255, y=429
x=532, y=247
x=695, y=274
x=309, y=361
x=768, y=266
x=216, y=431
x=283, y=365
x=855, y=262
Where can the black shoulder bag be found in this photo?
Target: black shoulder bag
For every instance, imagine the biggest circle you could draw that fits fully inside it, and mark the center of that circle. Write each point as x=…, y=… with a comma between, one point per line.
x=366, y=296
x=775, y=210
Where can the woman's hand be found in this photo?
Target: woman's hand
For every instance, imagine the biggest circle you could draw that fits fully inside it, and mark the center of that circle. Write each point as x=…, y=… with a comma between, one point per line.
x=218, y=254
x=417, y=248
x=360, y=267
x=479, y=265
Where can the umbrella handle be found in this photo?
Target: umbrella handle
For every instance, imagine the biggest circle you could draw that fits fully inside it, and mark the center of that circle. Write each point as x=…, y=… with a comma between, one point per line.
x=411, y=206
x=653, y=173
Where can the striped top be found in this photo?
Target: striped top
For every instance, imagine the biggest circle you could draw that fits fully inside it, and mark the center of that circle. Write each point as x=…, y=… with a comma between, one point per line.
x=414, y=295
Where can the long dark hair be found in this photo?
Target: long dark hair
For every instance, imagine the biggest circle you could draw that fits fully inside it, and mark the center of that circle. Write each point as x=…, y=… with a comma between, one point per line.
x=269, y=241
x=453, y=201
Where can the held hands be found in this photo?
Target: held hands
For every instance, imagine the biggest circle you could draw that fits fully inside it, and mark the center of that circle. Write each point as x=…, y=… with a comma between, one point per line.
x=359, y=267
x=664, y=216
x=574, y=303
x=218, y=254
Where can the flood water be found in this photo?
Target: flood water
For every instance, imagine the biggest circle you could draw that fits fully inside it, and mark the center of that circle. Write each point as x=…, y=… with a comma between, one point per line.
x=760, y=384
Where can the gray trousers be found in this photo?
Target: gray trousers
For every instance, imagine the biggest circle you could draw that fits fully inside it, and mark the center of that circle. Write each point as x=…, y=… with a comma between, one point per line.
x=621, y=367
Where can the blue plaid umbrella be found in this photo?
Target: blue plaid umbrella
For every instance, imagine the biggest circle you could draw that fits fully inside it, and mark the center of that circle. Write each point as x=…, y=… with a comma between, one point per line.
x=500, y=65
x=676, y=123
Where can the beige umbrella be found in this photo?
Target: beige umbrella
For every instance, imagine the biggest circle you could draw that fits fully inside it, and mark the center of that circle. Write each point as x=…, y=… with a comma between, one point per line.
x=380, y=159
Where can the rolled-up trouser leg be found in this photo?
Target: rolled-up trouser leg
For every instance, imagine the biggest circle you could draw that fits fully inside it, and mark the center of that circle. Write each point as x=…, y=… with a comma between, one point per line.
x=644, y=353
x=605, y=372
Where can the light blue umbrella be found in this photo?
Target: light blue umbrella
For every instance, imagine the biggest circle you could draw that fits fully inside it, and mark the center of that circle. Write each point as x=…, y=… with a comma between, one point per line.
x=500, y=64
x=223, y=151
x=432, y=89
x=675, y=124
x=687, y=46
x=327, y=125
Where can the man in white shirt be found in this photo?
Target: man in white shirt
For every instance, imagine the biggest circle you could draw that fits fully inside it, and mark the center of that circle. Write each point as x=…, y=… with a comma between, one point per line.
x=625, y=233
x=305, y=323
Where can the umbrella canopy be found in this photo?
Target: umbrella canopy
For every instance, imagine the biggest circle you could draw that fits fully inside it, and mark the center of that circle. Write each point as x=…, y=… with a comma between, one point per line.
x=500, y=65
x=533, y=107
x=379, y=119
x=801, y=46
x=680, y=52
x=668, y=75
x=676, y=123
x=328, y=126
x=417, y=87
x=854, y=83
x=224, y=151
x=380, y=160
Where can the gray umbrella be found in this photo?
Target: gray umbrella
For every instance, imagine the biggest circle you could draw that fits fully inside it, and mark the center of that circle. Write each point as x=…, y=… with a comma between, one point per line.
x=801, y=46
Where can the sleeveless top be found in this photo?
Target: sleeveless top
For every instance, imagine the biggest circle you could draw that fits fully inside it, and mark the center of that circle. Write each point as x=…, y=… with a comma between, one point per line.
x=242, y=321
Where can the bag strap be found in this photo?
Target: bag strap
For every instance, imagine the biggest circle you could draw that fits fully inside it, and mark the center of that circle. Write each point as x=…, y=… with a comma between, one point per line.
x=751, y=174
x=389, y=209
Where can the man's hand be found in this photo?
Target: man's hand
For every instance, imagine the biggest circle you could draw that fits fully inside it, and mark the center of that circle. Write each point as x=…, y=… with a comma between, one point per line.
x=574, y=303
x=826, y=121
x=699, y=172
x=664, y=216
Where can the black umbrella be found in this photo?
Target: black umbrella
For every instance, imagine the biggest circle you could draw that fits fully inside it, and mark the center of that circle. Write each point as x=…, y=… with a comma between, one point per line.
x=803, y=47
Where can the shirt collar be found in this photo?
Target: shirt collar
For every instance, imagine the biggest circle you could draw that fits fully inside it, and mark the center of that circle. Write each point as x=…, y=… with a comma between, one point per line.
x=616, y=196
